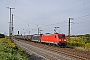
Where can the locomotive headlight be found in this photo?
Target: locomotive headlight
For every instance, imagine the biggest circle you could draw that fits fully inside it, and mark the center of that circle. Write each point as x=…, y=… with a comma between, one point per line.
x=60, y=40
x=65, y=40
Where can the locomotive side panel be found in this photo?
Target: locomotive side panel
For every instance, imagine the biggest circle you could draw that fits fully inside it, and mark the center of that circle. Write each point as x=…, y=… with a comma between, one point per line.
x=49, y=39
x=58, y=39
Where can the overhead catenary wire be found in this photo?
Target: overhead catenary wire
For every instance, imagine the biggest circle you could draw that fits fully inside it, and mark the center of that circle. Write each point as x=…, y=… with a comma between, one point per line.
x=75, y=7
x=67, y=22
x=71, y=8
x=74, y=19
x=61, y=11
x=27, y=21
x=63, y=6
x=54, y=23
x=38, y=24
x=34, y=29
x=81, y=22
x=82, y=16
x=24, y=20
x=68, y=4
x=80, y=10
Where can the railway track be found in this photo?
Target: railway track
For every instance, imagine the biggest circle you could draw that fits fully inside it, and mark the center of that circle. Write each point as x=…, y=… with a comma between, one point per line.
x=70, y=52
x=47, y=55
x=75, y=53
x=51, y=52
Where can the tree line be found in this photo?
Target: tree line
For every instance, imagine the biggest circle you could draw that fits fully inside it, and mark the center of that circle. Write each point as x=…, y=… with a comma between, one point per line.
x=2, y=35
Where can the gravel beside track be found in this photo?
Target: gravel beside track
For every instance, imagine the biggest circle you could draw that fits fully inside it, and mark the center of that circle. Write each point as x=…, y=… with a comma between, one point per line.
x=53, y=52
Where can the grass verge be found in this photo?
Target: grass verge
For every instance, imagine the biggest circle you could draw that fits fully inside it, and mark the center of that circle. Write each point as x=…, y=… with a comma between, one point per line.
x=10, y=51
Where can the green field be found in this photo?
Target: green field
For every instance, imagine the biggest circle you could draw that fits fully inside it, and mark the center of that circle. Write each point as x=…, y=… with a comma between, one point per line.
x=10, y=51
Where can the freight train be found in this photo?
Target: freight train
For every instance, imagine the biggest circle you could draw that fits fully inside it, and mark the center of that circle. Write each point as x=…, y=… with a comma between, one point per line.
x=55, y=39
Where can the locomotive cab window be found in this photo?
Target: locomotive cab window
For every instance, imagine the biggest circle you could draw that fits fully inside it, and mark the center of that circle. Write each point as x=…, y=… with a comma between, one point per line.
x=61, y=36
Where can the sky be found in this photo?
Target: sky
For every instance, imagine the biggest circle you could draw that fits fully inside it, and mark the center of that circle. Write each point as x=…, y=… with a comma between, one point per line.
x=29, y=15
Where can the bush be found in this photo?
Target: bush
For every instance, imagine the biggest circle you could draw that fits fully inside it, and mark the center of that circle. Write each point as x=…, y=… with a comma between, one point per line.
x=87, y=45
x=2, y=36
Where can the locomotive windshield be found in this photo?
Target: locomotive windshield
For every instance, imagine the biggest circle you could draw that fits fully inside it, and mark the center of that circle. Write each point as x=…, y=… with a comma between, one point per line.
x=61, y=36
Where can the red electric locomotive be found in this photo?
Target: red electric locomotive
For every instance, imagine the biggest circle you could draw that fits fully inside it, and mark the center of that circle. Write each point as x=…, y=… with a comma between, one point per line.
x=57, y=39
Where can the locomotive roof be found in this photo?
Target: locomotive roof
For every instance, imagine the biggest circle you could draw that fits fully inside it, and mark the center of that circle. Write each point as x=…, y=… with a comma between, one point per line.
x=54, y=34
